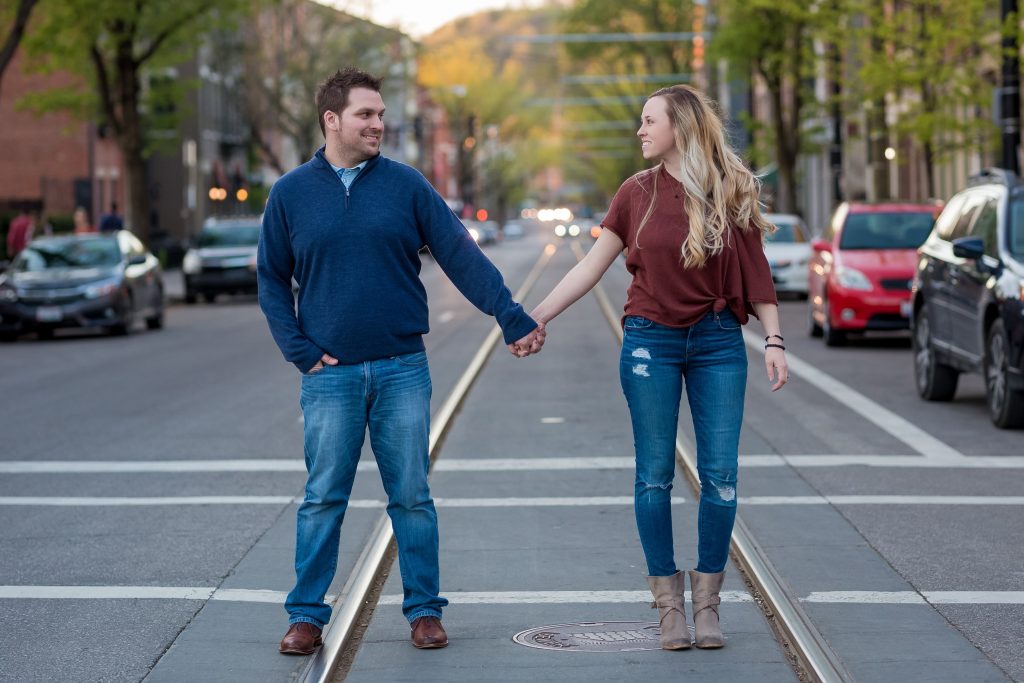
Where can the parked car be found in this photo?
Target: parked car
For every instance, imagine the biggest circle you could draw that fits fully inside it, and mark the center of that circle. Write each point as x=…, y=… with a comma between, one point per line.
x=861, y=269
x=789, y=251
x=969, y=297
x=513, y=230
x=107, y=281
x=223, y=259
x=484, y=232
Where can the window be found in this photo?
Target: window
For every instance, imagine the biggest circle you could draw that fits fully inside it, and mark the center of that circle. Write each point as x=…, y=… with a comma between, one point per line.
x=947, y=219
x=985, y=227
x=886, y=230
x=969, y=210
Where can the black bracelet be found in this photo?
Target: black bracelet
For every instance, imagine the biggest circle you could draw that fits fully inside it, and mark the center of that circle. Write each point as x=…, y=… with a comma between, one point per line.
x=774, y=335
x=774, y=346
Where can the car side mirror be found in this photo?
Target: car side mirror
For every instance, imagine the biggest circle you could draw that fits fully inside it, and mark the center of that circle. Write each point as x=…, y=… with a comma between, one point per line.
x=821, y=245
x=969, y=247
x=137, y=260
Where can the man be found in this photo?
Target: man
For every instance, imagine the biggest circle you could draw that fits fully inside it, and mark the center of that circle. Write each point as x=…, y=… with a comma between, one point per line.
x=111, y=221
x=19, y=233
x=348, y=226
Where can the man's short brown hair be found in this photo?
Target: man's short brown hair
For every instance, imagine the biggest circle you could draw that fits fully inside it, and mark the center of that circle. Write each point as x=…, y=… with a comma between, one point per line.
x=333, y=93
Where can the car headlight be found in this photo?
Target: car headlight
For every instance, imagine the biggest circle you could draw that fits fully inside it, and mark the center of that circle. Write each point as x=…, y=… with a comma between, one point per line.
x=475, y=234
x=8, y=294
x=574, y=230
x=98, y=289
x=191, y=264
x=852, y=279
x=560, y=230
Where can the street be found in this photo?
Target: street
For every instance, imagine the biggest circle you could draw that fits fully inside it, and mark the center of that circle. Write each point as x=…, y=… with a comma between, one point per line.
x=148, y=485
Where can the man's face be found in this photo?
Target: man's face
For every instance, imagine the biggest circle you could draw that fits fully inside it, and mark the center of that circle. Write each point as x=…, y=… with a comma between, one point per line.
x=360, y=126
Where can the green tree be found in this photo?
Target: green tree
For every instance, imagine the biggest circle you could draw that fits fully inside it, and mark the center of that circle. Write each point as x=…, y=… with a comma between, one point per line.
x=16, y=31
x=603, y=84
x=112, y=45
x=775, y=41
x=938, y=67
x=302, y=43
x=487, y=86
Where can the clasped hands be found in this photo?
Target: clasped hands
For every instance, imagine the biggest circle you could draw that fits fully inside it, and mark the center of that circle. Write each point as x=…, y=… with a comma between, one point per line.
x=529, y=344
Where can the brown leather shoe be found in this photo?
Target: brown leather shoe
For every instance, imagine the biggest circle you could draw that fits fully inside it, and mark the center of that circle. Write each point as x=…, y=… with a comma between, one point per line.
x=302, y=638
x=427, y=632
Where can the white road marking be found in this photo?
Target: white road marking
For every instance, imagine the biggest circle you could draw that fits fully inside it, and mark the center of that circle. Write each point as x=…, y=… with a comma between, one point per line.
x=446, y=316
x=497, y=464
x=521, y=502
x=552, y=420
x=915, y=598
x=144, y=593
x=897, y=461
x=538, y=502
x=900, y=428
x=556, y=597
x=882, y=500
x=134, y=501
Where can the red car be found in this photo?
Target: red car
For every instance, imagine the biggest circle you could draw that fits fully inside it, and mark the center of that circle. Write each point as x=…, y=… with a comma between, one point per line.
x=862, y=267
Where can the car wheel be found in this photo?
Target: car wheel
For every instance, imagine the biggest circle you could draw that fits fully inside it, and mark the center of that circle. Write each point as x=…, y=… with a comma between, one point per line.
x=1005, y=406
x=127, y=320
x=209, y=297
x=833, y=337
x=6, y=337
x=190, y=296
x=935, y=381
x=155, y=322
x=813, y=328
x=45, y=333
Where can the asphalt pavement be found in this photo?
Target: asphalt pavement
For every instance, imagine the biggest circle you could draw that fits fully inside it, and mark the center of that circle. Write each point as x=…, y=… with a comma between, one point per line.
x=147, y=491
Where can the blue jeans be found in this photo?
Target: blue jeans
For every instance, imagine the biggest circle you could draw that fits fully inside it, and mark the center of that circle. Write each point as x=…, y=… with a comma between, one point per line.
x=391, y=396
x=711, y=358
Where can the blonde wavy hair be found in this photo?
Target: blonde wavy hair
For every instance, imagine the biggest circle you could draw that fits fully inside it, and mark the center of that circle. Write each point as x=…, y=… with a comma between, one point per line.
x=720, y=190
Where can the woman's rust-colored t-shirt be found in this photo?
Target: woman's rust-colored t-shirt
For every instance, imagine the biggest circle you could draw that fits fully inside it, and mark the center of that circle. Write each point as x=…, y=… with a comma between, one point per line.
x=662, y=289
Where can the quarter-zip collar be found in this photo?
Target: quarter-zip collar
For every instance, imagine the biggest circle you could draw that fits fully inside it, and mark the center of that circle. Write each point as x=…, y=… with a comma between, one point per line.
x=319, y=160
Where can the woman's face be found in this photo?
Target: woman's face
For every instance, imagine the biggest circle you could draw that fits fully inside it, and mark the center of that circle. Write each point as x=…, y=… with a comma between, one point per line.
x=657, y=139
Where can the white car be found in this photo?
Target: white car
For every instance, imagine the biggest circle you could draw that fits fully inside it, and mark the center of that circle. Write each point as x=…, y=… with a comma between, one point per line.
x=788, y=250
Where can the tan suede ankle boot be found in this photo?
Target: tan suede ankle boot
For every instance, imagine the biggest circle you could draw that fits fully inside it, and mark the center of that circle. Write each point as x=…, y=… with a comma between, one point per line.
x=668, y=598
x=704, y=589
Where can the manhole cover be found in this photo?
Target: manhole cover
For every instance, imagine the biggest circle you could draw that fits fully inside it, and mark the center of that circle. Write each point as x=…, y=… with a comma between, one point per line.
x=593, y=636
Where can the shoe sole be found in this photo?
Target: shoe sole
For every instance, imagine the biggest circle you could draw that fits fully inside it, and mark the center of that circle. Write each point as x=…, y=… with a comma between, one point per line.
x=430, y=646
x=294, y=651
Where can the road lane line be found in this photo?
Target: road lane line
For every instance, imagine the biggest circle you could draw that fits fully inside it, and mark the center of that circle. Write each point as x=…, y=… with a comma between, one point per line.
x=90, y=501
x=882, y=500
x=900, y=428
x=496, y=464
x=915, y=598
x=498, y=597
x=556, y=597
x=539, y=502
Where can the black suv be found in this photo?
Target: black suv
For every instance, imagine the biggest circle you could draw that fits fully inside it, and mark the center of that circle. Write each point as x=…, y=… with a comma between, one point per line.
x=968, y=296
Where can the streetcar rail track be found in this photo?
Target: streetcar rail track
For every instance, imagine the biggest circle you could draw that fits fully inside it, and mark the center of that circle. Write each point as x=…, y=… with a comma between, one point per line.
x=815, y=659
x=338, y=633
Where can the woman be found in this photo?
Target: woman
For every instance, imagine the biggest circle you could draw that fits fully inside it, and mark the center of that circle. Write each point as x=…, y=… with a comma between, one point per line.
x=81, y=219
x=693, y=231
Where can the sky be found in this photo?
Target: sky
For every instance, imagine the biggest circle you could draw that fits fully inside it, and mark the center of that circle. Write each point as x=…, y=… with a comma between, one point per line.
x=420, y=17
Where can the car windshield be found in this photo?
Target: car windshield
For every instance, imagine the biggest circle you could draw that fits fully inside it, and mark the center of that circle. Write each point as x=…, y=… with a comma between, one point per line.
x=1016, y=236
x=886, y=230
x=788, y=233
x=75, y=253
x=230, y=236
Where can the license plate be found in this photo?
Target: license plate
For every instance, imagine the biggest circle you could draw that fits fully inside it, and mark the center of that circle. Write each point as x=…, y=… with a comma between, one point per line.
x=49, y=314
x=906, y=308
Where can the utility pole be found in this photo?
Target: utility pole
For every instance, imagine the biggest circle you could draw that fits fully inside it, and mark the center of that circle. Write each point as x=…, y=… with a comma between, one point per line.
x=1010, y=92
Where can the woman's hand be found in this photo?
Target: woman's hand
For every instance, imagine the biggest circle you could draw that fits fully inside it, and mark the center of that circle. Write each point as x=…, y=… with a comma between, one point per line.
x=778, y=369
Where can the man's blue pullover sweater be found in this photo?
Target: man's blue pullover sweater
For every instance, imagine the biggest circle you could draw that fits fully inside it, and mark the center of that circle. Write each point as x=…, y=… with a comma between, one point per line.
x=355, y=256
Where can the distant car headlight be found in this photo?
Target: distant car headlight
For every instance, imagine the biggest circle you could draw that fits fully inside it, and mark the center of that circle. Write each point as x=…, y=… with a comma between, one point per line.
x=574, y=230
x=192, y=263
x=853, y=279
x=560, y=230
x=98, y=289
x=475, y=234
x=8, y=294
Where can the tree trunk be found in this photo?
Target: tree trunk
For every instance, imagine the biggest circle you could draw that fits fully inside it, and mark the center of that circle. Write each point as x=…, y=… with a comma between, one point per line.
x=878, y=141
x=929, y=169
x=132, y=144
x=16, y=34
